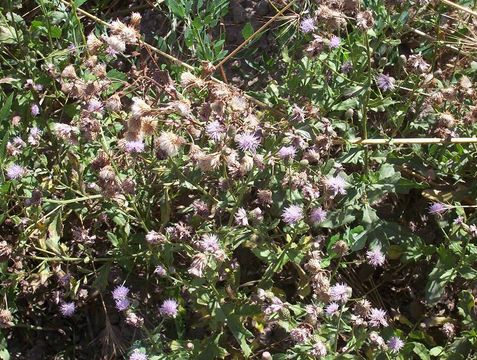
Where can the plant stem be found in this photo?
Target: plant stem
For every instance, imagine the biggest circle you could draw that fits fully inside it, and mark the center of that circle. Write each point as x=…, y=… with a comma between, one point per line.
x=365, y=106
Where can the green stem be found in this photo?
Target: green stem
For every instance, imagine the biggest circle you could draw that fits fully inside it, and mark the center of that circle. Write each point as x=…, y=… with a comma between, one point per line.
x=365, y=105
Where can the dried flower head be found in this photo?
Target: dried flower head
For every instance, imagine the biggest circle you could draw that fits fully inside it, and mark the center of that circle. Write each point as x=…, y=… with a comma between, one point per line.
x=170, y=143
x=340, y=293
x=365, y=20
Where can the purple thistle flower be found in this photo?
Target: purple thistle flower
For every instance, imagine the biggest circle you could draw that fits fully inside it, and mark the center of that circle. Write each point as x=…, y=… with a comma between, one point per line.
x=209, y=242
x=136, y=146
x=34, y=136
x=395, y=344
x=160, y=271
x=215, y=130
x=122, y=304
x=67, y=309
x=35, y=110
x=247, y=141
x=459, y=220
x=292, y=214
x=317, y=215
x=307, y=25
x=121, y=292
x=377, y=317
x=346, y=67
x=137, y=355
x=15, y=171
x=287, y=152
x=375, y=257
x=437, y=208
x=335, y=42
x=169, y=308
x=332, y=309
x=385, y=82
x=339, y=292
x=336, y=184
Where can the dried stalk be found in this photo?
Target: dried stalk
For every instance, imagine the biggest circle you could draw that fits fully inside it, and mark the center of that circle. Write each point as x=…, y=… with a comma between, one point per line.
x=408, y=141
x=459, y=7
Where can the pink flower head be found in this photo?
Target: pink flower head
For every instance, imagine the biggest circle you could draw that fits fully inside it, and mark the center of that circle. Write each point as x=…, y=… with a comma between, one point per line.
x=336, y=184
x=292, y=214
x=122, y=304
x=67, y=309
x=15, y=171
x=136, y=146
x=35, y=110
x=317, y=215
x=247, y=141
x=377, y=317
x=339, y=292
x=160, y=271
x=137, y=355
x=395, y=344
x=215, y=130
x=120, y=292
x=169, y=308
x=334, y=42
x=375, y=257
x=437, y=208
x=210, y=243
x=307, y=25
x=287, y=152
x=332, y=309
x=385, y=82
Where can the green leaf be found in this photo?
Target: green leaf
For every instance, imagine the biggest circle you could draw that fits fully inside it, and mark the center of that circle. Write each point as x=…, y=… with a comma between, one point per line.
x=80, y=2
x=421, y=351
x=247, y=31
x=101, y=281
x=176, y=8
x=438, y=279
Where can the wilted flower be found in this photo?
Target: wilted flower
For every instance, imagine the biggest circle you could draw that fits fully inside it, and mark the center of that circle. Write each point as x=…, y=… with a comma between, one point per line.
x=298, y=114
x=336, y=184
x=385, y=82
x=317, y=215
x=120, y=292
x=241, y=217
x=319, y=349
x=375, y=338
x=365, y=20
x=247, y=141
x=300, y=334
x=377, y=317
x=199, y=262
x=332, y=309
x=437, y=208
x=375, y=257
x=169, y=308
x=170, y=143
x=67, y=309
x=115, y=44
x=153, y=237
x=95, y=105
x=395, y=344
x=35, y=110
x=346, y=67
x=34, y=136
x=292, y=214
x=449, y=330
x=15, y=171
x=139, y=108
x=307, y=25
x=133, y=147
x=363, y=308
x=287, y=152
x=134, y=319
